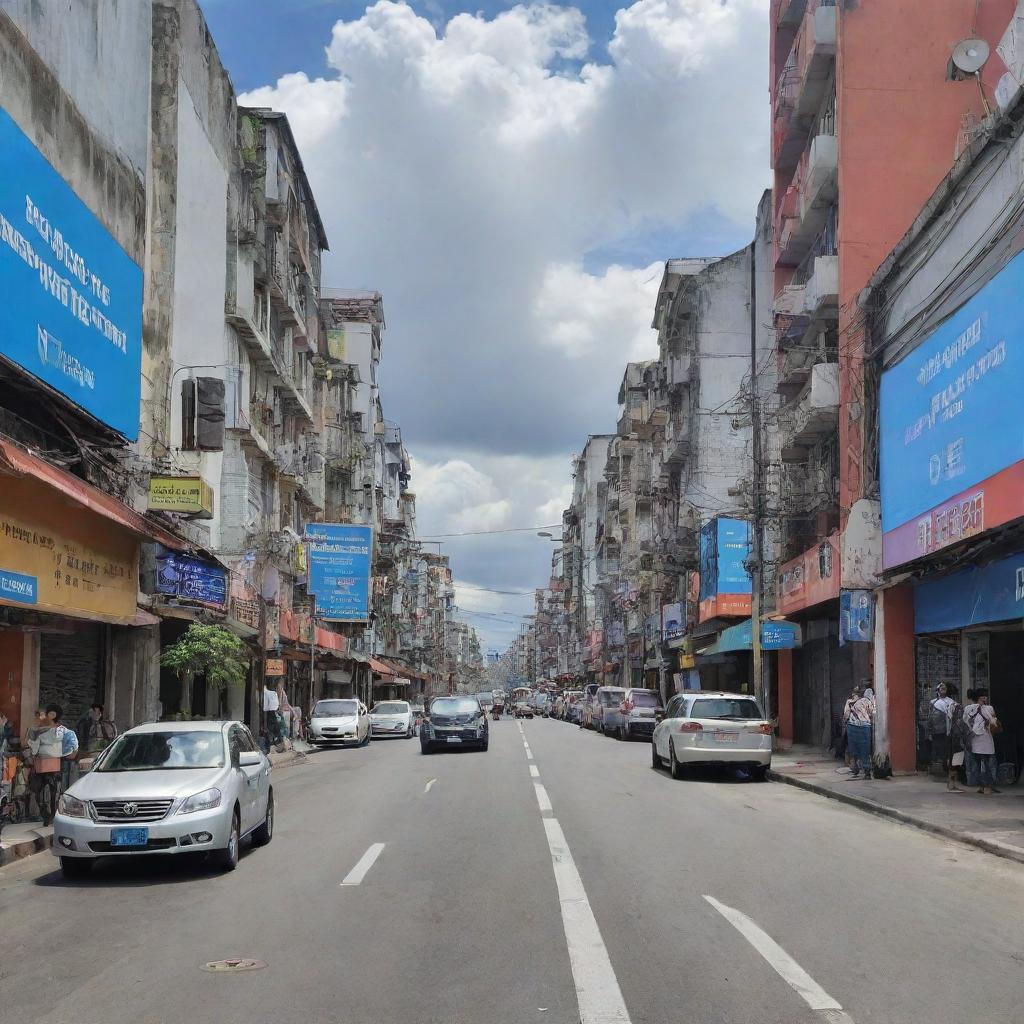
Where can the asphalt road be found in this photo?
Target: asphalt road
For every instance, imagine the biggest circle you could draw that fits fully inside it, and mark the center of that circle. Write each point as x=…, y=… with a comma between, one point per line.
x=610, y=894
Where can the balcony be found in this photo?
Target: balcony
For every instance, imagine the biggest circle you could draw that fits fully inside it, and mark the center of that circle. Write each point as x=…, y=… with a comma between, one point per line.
x=822, y=292
x=814, y=413
x=809, y=200
x=677, y=442
x=801, y=87
x=251, y=319
x=791, y=13
x=809, y=489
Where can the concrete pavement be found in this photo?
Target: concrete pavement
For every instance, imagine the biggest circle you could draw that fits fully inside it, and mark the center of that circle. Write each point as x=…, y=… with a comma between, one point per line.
x=483, y=905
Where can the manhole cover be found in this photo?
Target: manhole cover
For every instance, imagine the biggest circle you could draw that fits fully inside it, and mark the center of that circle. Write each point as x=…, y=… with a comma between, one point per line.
x=240, y=963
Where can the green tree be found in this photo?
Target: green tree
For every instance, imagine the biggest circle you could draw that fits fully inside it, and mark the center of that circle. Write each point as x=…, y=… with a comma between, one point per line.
x=211, y=651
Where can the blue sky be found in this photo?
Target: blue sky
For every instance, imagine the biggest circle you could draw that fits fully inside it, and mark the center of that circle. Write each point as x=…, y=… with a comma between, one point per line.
x=512, y=181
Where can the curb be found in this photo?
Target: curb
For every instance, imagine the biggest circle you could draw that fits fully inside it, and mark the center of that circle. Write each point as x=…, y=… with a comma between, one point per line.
x=26, y=848
x=992, y=846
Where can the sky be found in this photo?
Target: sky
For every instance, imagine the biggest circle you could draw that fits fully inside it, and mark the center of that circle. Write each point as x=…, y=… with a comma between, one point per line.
x=512, y=179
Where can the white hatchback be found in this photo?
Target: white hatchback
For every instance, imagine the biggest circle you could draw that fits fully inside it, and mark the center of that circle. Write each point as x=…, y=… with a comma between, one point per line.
x=713, y=729
x=392, y=718
x=343, y=720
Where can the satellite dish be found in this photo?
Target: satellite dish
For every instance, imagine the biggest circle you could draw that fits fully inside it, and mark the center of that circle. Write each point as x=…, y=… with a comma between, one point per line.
x=969, y=55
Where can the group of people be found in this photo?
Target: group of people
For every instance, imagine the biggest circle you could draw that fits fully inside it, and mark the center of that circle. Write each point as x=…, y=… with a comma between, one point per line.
x=858, y=720
x=282, y=720
x=40, y=765
x=965, y=735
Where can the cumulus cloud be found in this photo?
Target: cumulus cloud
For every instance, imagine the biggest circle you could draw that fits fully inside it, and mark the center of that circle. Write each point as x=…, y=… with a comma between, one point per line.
x=471, y=171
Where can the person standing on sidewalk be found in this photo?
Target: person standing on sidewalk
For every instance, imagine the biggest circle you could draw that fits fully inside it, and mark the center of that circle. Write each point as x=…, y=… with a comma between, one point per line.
x=944, y=712
x=858, y=731
x=271, y=703
x=982, y=723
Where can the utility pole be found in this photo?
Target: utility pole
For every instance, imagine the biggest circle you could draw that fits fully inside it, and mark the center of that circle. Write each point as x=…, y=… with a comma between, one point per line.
x=761, y=691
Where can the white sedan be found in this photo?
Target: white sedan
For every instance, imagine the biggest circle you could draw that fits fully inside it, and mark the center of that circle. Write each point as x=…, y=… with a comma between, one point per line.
x=713, y=729
x=393, y=718
x=343, y=720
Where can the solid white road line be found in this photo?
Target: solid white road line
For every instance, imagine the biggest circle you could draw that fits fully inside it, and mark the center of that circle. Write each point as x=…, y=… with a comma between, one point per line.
x=430, y=782
x=597, y=989
x=358, y=873
x=786, y=967
x=534, y=772
x=543, y=800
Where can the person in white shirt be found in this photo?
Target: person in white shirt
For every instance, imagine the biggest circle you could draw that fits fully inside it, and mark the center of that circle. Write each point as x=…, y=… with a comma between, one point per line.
x=943, y=714
x=271, y=713
x=980, y=719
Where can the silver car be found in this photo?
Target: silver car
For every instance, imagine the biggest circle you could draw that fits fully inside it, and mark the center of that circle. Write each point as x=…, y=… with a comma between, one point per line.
x=168, y=787
x=343, y=720
x=392, y=718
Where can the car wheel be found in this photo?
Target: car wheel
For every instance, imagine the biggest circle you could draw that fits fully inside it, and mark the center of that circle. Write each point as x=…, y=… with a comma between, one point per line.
x=674, y=767
x=483, y=746
x=624, y=732
x=408, y=733
x=425, y=748
x=655, y=757
x=227, y=859
x=366, y=740
x=759, y=773
x=265, y=832
x=75, y=867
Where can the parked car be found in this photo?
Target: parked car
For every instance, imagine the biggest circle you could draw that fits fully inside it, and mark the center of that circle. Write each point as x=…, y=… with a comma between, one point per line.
x=541, y=703
x=486, y=699
x=571, y=709
x=713, y=729
x=607, y=697
x=168, y=787
x=587, y=705
x=392, y=718
x=634, y=715
x=522, y=709
x=343, y=720
x=454, y=721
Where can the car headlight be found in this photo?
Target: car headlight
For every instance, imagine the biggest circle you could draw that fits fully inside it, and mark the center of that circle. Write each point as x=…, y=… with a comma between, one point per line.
x=205, y=801
x=72, y=806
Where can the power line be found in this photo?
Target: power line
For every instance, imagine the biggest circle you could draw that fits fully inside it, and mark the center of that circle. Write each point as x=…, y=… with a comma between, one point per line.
x=487, y=533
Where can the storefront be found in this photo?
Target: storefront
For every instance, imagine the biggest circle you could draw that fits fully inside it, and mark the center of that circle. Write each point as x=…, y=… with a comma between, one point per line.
x=815, y=679
x=71, y=632
x=728, y=663
x=969, y=633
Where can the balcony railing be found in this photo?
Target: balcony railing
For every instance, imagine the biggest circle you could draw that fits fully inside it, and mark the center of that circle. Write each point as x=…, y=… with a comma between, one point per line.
x=814, y=413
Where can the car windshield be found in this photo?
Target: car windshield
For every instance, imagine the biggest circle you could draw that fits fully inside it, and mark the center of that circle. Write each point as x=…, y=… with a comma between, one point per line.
x=335, y=708
x=612, y=697
x=738, y=708
x=396, y=707
x=643, y=699
x=163, y=751
x=454, y=706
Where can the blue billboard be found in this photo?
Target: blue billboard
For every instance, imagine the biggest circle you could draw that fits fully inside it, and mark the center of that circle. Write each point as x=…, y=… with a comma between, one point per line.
x=340, y=561
x=724, y=547
x=949, y=410
x=71, y=296
x=191, y=578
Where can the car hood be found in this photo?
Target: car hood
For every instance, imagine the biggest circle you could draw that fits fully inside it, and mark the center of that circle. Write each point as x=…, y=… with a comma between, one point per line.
x=336, y=720
x=400, y=717
x=145, y=785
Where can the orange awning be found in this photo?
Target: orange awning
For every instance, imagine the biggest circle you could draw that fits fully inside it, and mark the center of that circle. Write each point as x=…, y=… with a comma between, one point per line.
x=381, y=668
x=16, y=461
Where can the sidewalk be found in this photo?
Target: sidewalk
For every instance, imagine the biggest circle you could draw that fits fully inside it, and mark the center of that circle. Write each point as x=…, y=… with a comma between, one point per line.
x=992, y=823
x=23, y=840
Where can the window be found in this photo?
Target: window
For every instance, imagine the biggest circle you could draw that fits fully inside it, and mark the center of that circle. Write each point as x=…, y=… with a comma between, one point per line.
x=235, y=744
x=675, y=707
x=728, y=708
x=202, y=414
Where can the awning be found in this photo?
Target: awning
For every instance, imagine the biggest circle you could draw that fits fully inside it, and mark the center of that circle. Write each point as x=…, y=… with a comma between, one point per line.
x=16, y=461
x=776, y=635
x=382, y=668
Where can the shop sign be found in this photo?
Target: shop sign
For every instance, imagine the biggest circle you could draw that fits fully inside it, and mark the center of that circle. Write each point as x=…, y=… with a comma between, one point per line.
x=275, y=667
x=949, y=467
x=190, y=578
x=725, y=586
x=340, y=557
x=187, y=494
x=687, y=660
x=810, y=578
x=72, y=297
x=972, y=597
x=53, y=559
x=245, y=610
x=271, y=628
x=673, y=627
x=856, y=616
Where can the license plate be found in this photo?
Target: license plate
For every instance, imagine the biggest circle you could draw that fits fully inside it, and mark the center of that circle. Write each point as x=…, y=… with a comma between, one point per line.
x=454, y=739
x=727, y=737
x=129, y=836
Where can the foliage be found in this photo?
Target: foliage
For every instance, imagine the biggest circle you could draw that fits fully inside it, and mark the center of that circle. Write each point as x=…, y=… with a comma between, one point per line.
x=211, y=651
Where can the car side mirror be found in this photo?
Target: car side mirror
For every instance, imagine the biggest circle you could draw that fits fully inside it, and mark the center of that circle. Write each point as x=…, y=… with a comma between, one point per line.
x=250, y=759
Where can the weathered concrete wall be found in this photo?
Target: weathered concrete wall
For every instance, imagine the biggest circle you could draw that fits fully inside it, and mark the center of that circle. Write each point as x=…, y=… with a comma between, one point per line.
x=87, y=42
x=92, y=158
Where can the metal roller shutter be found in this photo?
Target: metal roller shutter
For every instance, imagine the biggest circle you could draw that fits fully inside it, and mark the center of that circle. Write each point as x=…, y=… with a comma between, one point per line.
x=71, y=670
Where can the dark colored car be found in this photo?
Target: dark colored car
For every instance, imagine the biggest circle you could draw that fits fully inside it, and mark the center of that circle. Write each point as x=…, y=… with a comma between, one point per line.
x=454, y=722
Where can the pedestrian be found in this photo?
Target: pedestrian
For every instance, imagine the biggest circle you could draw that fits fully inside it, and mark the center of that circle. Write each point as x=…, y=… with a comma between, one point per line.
x=95, y=731
x=52, y=747
x=847, y=754
x=271, y=704
x=945, y=711
x=982, y=727
x=284, y=710
x=858, y=730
